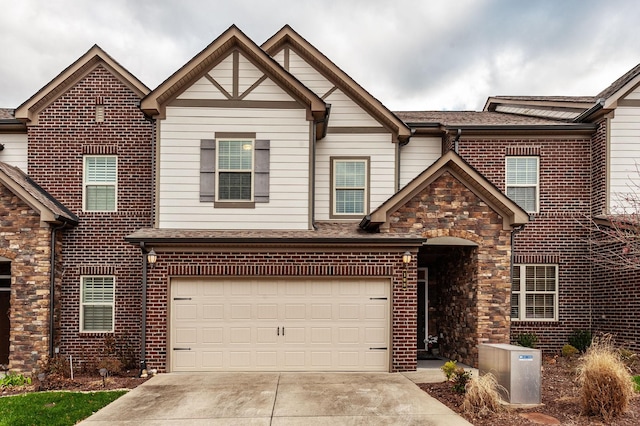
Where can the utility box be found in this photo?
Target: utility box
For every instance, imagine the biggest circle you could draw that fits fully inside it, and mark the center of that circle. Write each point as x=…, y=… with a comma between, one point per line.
x=516, y=368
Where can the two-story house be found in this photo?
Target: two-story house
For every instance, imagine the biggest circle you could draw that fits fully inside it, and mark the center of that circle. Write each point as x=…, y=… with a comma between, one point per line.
x=259, y=210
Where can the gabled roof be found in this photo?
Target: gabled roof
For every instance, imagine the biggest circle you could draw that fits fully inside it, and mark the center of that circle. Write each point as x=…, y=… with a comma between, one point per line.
x=511, y=213
x=94, y=57
x=288, y=37
x=50, y=209
x=154, y=103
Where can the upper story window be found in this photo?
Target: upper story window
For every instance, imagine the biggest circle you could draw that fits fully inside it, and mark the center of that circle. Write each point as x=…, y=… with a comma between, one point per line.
x=522, y=182
x=100, y=183
x=534, y=293
x=235, y=170
x=349, y=192
x=97, y=303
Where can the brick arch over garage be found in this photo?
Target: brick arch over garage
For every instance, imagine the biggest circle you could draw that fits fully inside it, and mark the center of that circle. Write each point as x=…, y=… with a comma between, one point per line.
x=451, y=199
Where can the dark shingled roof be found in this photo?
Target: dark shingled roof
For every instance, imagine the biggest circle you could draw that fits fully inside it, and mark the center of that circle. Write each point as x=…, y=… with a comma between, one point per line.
x=452, y=118
x=21, y=178
x=325, y=232
x=619, y=83
x=7, y=113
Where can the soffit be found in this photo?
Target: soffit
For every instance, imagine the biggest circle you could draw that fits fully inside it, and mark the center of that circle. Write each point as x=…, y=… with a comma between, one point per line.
x=94, y=57
x=288, y=37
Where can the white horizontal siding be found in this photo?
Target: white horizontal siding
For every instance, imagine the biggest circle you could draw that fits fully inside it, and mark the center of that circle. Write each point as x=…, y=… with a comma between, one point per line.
x=15, y=150
x=634, y=94
x=307, y=74
x=381, y=153
x=624, y=156
x=417, y=155
x=202, y=89
x=180, y=134
x=346, y=113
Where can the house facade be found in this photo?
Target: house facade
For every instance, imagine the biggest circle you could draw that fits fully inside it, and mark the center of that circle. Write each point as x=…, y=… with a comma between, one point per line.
x=261, y=211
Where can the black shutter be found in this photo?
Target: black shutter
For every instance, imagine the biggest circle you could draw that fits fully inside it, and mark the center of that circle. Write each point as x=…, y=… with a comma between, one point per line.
x=207, y=170
x=261, y=172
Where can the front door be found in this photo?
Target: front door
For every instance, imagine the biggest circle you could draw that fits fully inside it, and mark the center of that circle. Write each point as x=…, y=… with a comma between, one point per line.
x=5, y=297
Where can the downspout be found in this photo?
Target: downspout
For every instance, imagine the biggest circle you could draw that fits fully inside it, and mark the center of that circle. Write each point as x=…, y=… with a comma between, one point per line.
x=314, y=138
x=52, y=285
x=456, y=141
x=514, y=231
x=143, y=322
x=398, y=155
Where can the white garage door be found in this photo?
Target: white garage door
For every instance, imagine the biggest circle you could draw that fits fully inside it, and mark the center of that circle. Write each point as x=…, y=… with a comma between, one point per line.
x=279, y=325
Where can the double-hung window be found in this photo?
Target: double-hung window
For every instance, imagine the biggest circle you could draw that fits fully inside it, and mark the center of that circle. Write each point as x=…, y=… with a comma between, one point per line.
x=522, y=182
x=349, y=182
x=534, y=293
x=100, y=182
x=97, y=303
x=235, y=170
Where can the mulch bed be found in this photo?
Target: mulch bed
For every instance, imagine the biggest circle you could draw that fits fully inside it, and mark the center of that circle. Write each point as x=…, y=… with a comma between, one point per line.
x=80, y=383
x=559, y=398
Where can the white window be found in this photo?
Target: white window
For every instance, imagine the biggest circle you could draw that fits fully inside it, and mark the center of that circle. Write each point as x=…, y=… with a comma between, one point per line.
x=522, y=182
x=349, y=181
x=534, y=293
x=235, y=170
x=100, y=183
x=97, y=298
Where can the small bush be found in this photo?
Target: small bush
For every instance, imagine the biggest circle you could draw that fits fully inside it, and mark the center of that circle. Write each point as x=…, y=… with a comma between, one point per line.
x=13, y=379
x=460, y=379
x=483, y=396
x=581, y=340
x=56, y=366
x=605, y=384
x=569, y=351
x=629, y=358
x=528, y=340
x=113, y=365
x=449, y=368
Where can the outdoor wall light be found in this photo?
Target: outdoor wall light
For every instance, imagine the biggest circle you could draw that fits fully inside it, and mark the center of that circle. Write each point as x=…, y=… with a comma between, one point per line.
x=152, y=257
x=406, y=260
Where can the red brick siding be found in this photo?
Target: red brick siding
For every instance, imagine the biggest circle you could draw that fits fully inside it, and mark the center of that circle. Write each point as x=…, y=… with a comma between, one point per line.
x=599, y=162
x=65, y=131
x=296, y=263
x=558, y=229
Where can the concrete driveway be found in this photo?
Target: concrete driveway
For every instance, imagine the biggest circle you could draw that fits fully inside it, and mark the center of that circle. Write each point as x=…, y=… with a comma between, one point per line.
x=276, y=399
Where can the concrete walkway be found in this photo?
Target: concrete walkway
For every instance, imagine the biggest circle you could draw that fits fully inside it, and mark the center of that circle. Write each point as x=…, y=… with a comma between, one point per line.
x=276, y=399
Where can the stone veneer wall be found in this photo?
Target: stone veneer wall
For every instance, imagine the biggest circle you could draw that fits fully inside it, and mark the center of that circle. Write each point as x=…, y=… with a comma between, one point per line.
x=447, y=208
x=296, y=262
x=27, y=244
x=67, y=131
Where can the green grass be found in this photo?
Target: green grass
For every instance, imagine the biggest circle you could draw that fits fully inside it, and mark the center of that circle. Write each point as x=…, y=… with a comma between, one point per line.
x=53, y=408
x=636, y=380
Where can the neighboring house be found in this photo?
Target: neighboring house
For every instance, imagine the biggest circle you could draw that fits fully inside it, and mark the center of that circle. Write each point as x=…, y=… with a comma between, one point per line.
x=259, y=210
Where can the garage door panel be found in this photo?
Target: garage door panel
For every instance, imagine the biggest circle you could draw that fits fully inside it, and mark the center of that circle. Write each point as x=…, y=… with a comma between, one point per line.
x=237, y=325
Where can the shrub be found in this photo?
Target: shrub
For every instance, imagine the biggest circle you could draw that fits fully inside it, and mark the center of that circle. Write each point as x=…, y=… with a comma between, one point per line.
x=13, y=379
x=605, y=384
x=113, y=365
x=460, y=379
x=581, y=340
x=629, y=358
x=528, y=340
x=56, y=366
x=449, y=368
x=483, y=396
x=569, y=351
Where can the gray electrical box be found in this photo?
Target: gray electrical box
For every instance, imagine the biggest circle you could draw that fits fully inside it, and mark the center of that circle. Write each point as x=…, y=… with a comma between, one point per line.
x=516, y=368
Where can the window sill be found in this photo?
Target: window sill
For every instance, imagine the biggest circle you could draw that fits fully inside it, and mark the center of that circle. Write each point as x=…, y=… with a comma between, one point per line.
x=234, y=205
x=95, y=333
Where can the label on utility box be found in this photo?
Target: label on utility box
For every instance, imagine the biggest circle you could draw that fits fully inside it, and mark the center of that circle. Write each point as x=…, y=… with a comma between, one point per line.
x=525, y=357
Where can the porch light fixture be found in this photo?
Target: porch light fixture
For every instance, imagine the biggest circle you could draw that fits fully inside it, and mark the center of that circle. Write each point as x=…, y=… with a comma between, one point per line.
x=152, y=257
x=406, y=260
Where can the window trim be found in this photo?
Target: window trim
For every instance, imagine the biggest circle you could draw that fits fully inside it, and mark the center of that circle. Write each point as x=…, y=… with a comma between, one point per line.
x=332, y=196
x=82, y=304
x=85, y=184
x=537, y=184
x=522, y=294
x=237, y=202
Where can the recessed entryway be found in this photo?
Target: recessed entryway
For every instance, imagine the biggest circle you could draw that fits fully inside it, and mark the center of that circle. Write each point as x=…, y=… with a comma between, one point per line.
x=5, y=305
x=271, y=324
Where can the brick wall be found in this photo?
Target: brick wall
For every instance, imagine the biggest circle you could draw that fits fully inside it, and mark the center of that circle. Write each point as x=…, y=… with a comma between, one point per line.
x=27, y=244
x=298, y=262
x=67, y=130
x=558, y=233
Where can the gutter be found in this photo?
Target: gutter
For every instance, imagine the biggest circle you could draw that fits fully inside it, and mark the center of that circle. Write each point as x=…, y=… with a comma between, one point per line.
x=299, y=241
x=597, y=107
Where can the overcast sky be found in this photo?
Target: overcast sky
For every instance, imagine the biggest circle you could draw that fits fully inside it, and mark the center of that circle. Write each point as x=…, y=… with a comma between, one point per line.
x=411, y=55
